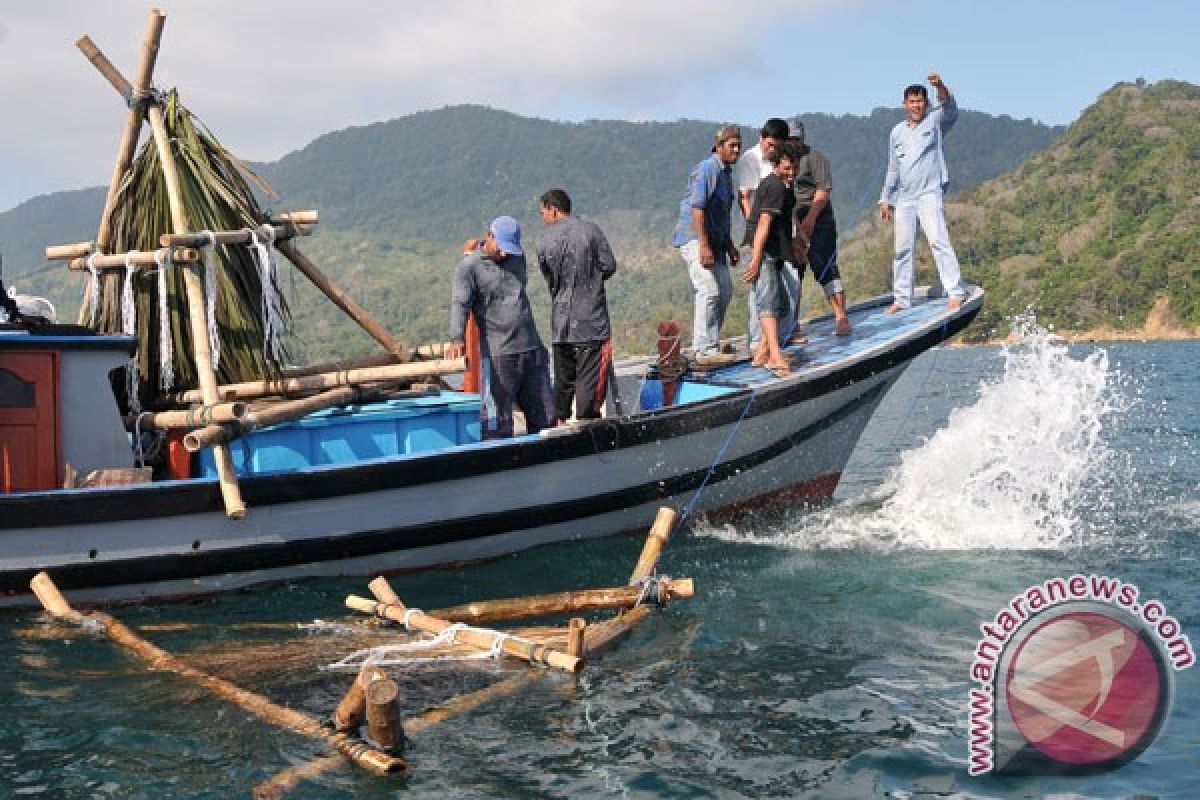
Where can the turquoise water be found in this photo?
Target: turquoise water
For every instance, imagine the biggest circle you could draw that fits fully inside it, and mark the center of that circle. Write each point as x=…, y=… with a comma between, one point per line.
x=827, y=653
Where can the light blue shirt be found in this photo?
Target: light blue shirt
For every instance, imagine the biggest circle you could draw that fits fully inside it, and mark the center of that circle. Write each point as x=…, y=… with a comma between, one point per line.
x=710, y=187
x=916, y=164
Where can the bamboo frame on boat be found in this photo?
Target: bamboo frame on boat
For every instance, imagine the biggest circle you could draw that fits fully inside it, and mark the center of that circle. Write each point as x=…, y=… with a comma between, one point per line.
x=231, y=494
x=329, y=380
x=276, y=233
x=212, y=435
x=189, y=418
x=142, y=258
x=510, y=608
x=261, y=707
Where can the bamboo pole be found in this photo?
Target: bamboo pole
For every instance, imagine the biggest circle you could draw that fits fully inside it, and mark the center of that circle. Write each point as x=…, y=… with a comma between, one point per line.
x=235, y=508
x=190, y=418
x=218, y=434
x=656, y=540
x=415, y=619
x=329, y=380
x=383, y=713
x=342, y=300
x=376, y=360
x=352, y=710
x=604, y=635
x=311, y=217
x=510, y=608
x=576, y=630
x=133, y=122
x=287, y=779
x=141, y=258
x=275, y=232
x=58, y=252
x=256, y=704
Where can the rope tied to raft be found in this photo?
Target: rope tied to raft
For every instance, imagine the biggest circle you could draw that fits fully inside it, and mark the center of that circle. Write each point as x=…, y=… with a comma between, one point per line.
x=166, y=347
x=394, y=655
x=272, y=308
x=210, y=297
x=654, y=588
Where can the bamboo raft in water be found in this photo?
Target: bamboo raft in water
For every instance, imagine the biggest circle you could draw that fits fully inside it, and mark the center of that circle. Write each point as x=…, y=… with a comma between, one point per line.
x=368, y=725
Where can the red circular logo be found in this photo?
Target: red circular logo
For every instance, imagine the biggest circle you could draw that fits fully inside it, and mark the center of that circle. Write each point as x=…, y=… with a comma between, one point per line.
x=1085, y=689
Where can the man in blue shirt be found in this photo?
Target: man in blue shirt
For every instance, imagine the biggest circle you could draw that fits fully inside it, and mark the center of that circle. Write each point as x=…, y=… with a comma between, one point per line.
x=704, y=239
x=913, y=191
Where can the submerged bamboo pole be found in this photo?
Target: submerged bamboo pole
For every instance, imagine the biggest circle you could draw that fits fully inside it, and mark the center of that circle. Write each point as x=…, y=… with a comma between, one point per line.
x=276, y=233
x=342, y=300
x=509, y=608
x=329, y=380
x=256, y=704
x=216, y=434
x=179, y=257
x=415, y=619
x=603, y=635
x=287, y=779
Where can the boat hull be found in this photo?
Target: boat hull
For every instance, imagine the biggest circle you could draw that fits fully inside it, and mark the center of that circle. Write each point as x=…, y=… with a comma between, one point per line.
x=780, y=440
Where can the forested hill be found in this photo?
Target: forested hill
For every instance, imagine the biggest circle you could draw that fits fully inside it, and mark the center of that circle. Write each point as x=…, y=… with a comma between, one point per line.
x=1093, y=233
x=397, y=197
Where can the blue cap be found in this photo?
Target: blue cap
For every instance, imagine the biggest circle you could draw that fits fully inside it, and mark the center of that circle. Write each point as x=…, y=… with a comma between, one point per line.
x=508, y=235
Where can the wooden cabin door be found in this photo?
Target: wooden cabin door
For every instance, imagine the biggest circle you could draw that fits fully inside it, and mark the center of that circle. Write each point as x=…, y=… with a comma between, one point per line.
x=29, y=448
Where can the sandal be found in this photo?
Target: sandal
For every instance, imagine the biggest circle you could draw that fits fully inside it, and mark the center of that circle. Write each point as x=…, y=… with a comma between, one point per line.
x=797, y=339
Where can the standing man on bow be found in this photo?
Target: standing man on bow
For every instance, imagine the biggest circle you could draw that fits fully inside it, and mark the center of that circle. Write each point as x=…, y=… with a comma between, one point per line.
x=752, y=168
x=576, y=260
x=914, y=188
x=705, y=242
x=490, y=284
x=816, y=229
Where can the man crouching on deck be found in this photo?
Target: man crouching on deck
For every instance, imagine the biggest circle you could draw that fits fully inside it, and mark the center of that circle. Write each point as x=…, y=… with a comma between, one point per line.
x=490, y=283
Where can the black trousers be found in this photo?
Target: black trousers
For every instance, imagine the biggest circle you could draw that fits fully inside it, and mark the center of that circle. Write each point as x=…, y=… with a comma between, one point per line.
x=581, y=378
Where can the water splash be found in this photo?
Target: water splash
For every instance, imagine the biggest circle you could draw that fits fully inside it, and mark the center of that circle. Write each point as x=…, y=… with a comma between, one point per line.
x=1010, y=471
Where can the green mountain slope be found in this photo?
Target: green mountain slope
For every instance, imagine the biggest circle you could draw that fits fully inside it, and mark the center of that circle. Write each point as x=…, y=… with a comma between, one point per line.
x=397, y=199
x=1088, y=233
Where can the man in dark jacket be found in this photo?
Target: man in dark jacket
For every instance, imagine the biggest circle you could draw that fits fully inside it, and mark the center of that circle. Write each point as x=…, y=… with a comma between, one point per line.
x=576, y=260
x=489, y=283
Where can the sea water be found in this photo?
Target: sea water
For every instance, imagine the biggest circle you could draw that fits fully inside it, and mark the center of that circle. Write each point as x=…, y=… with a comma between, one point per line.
x=827, y=652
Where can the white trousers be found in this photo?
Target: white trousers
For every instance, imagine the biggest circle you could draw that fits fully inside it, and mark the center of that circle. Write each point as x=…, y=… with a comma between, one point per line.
x=714, y=290
x=927, y=211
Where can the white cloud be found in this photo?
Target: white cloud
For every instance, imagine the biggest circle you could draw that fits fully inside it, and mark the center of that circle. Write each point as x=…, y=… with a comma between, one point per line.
x=268, y=76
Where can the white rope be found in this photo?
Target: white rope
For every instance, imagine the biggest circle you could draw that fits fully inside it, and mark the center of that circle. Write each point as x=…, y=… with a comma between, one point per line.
x=408, y=612
x=272, y=308
x=393, y=655
x=129, y=328
x=166, y=345
x=210, y=298
x=93, y=290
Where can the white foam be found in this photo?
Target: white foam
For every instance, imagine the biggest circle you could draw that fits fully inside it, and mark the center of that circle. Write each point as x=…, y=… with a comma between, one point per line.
x=1009, y=471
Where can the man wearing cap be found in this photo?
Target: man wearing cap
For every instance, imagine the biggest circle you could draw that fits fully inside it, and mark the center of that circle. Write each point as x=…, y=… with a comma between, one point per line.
x=816, y=229
x=752, y=168
x=704, y=240
x=490, y=284
x=576, y=260
x=913, y=190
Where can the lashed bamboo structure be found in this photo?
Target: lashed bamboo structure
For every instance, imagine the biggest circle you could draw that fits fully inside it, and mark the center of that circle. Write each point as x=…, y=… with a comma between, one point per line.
x=159, y=660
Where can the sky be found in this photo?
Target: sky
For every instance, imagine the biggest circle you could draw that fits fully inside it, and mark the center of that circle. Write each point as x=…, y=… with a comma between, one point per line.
x=269, y=76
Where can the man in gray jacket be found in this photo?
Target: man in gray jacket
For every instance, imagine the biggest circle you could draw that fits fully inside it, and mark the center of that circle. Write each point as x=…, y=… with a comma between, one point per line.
x=490, y=284
x=576, y=260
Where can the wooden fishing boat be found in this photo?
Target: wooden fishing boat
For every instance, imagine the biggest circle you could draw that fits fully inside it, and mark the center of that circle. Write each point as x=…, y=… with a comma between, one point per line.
x=406, y=483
